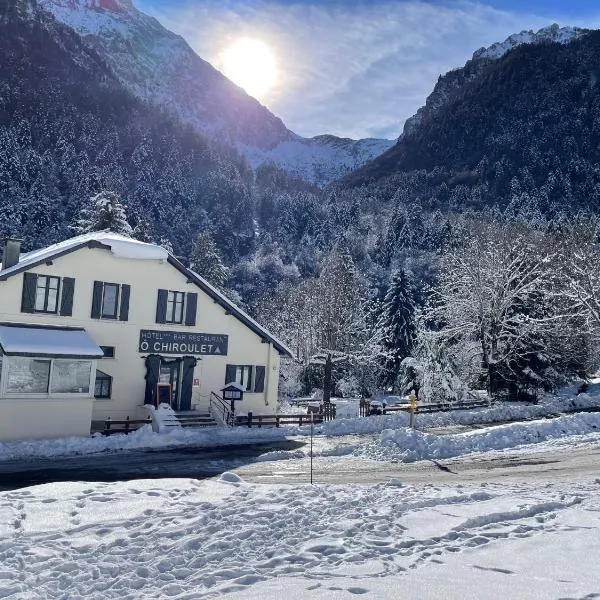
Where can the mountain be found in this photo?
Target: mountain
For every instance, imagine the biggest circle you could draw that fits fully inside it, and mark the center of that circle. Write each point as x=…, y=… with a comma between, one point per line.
x=519, y=124
x=159, y=67
x=69, y=129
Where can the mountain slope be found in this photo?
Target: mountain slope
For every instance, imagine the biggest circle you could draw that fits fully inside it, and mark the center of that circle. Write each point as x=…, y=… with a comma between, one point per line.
x=160, y=67
x=69, y=129
x=532, y=115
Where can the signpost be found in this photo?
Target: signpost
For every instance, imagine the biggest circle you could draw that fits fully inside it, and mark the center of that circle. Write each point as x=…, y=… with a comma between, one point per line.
x=412, y=400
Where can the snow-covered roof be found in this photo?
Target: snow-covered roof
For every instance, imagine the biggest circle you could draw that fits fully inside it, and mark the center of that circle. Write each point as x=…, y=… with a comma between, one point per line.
x=43, y=340
x=125, y=247
x=119, y=245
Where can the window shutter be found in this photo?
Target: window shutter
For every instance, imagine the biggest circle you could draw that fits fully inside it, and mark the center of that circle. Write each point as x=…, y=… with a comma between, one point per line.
x=259, y=383
x=97, y=299
x=161, y=306
x=191, y=302
x=66, y=299
x=28, y=297
x=124, y=310
x=230, y=374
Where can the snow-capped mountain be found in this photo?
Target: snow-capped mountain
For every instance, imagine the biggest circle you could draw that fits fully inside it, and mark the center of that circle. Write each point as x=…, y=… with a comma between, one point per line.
x=456, y=78
x=547, y=35
x=161, y=68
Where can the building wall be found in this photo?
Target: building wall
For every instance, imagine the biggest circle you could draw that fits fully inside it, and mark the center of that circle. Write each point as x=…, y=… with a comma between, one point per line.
x=128, y=368
x=43, y=418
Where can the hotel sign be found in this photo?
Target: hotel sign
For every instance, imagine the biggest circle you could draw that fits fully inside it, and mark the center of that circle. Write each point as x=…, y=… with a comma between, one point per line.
x=178, y=342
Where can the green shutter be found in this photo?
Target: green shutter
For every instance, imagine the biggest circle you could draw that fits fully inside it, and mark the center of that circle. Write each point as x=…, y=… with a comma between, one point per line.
x=97, y=299
x=161, y=306
x=191, y=304
x=124, y=310
x=28, y=297
x=66, y=299
x=230, y=374
x=259, y=383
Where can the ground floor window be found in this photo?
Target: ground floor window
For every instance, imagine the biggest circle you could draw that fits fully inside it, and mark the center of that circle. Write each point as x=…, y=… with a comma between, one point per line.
x=250, y=377
x=28, y=375
x=24, y=375
x=103, y=385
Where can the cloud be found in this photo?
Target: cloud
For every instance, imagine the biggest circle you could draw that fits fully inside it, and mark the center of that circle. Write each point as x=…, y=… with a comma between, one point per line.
x=354, y=69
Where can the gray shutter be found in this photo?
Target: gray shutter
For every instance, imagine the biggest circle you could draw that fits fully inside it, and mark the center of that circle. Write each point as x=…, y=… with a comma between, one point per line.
x=229, y=374
x=124, y=310
x=66, y=299
x=191, y=303
x=259, y=383
x=28, y=297
x=97, y=299
x=161, y=306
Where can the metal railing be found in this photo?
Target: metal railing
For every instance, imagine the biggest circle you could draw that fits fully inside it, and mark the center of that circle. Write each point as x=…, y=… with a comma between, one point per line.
x=220, y=410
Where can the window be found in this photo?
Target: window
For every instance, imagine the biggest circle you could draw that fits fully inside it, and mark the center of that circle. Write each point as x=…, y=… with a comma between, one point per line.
x=252, y=378
x=110, y=301
x=71, y=377
x=174, y=307
x=110, y=297
x=28, y=375
x=47, y=376
x=103, y=385
x=46, y=294
x=108, y=351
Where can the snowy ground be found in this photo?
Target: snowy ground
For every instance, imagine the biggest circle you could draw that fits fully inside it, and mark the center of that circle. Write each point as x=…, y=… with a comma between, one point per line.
x=229, y=539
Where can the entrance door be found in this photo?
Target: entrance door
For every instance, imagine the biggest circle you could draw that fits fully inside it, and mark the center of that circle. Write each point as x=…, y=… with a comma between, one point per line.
x=170, y=373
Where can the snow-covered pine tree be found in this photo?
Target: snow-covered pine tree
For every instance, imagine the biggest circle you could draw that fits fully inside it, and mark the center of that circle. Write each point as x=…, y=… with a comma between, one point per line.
x=142, y=231
x=206, y=260
x=166, y=244
x=396, y=325
x=105, y=212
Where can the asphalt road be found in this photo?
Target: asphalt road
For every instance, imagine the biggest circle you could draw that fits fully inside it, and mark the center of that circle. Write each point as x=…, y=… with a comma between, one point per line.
x=197, y=463
x=546, y=466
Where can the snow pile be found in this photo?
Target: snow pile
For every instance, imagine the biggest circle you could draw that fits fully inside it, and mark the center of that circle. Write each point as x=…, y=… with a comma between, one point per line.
x=410, y=445
x=564, y=402
x=164, y=418
x=141, y=439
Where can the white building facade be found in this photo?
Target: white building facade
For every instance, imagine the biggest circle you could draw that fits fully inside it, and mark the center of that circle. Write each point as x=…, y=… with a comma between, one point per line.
x=98, y=325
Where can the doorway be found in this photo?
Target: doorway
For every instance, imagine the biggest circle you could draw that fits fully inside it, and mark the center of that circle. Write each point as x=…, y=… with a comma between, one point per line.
x=170, y=372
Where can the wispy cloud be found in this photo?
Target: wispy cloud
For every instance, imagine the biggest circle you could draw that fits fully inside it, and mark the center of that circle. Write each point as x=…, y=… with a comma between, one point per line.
x=351, y=69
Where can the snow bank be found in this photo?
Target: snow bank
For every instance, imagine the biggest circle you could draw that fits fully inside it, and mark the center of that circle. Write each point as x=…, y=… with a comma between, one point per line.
x=564, y=402
x=410, y=445
x=142, y=439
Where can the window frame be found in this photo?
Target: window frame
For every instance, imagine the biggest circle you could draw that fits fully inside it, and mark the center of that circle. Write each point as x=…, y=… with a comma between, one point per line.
x=5, y=366
x=112, y=349
x=104, y=377
x=46, y=292
x=115, y=315
x=172, y=300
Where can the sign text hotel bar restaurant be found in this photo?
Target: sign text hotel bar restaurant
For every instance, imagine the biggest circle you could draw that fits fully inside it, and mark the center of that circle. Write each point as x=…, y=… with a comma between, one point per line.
x=176, y=342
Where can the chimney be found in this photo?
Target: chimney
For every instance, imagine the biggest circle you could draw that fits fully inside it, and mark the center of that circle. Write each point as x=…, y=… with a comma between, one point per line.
x=11, y=252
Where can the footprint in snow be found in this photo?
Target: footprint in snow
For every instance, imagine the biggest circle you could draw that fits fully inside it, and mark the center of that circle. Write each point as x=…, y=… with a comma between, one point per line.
x=358, y=590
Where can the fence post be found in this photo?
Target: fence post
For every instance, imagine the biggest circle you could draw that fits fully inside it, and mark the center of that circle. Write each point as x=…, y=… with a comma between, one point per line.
x=127, y=424
x=107, y=423
x=250, y=418
x=277, y=421
x=259, y=421
x=300, y=421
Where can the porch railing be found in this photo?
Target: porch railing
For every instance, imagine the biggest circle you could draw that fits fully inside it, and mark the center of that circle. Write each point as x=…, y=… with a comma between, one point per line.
x=219, y=410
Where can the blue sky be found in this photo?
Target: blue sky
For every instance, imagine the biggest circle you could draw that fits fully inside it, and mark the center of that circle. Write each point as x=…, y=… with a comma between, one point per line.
x=359, y=68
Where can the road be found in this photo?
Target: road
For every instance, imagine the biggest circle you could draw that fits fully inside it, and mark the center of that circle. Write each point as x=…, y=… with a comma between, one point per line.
x=547, y=465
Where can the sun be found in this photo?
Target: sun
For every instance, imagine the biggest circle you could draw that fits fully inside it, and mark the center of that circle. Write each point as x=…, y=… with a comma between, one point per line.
x=250, y=64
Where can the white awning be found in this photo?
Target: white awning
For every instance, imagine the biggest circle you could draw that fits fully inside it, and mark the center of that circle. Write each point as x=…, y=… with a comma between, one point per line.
x=53, y=342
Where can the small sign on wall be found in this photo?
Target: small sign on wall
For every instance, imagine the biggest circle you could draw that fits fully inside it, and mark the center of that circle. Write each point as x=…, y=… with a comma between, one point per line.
x=196, y=383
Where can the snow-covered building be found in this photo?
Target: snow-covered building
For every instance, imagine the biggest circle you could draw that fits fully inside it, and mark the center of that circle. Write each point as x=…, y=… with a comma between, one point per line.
x=95, y=326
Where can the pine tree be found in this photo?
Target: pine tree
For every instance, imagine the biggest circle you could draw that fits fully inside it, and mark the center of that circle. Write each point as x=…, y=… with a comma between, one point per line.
x=166, y=244
x=206, y=260
x=397, y=327
x=142, y=231
x=104, y=213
